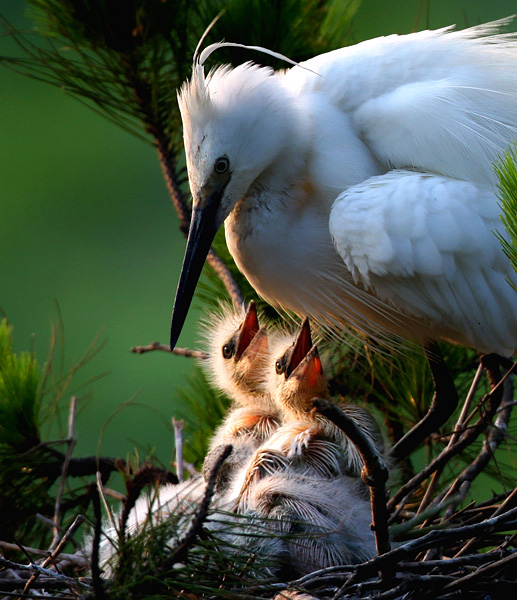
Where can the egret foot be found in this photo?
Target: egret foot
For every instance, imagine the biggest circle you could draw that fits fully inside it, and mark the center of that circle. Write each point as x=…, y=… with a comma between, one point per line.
x=444, y=403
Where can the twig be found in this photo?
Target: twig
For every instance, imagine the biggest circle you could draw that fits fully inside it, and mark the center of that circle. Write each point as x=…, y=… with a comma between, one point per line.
x=375, y=472
x=180, y=552
x=510, y=502
x=64, y=473
x=458, y=429
x=74, y=559
x=178, y=441
x=224, y=274
x=464, y=583
x=461, y=485
x=429, y=540
x=166, y=348
x=37, y=569
x=97, y=583
x=146, y=475
x=107, y=507
x=191, y=469
x=447, y=453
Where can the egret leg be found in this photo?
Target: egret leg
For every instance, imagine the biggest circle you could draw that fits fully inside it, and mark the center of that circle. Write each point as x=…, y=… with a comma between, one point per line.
x=444, y=403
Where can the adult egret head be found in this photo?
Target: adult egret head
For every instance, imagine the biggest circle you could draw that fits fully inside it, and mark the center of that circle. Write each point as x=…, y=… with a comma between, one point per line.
x=235, y=126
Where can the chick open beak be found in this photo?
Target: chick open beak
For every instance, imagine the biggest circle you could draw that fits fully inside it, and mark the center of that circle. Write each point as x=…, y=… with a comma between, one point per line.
x=302, y=345
x=310, y=369
x=206, y=220
x=248, y=330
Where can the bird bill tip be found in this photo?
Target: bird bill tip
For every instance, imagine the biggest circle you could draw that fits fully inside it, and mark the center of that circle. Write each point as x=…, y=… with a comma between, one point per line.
x=248, y=330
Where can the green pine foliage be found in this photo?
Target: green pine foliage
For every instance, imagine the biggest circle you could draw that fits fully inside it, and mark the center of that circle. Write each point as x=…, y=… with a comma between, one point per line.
x=507, y=172
x=20, y=395
x=32, y=401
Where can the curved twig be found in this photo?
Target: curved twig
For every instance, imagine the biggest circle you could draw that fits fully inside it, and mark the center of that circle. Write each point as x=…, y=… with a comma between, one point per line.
x=375, y=472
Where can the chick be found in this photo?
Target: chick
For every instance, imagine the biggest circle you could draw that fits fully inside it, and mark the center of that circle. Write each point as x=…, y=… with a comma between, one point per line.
x=307, y=440
x=299, y=523
x=238, y=362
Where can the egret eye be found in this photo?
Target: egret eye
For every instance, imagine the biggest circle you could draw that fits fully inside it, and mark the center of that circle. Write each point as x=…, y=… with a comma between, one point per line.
x=222, y=164
x=228, y=351
x=279, y=367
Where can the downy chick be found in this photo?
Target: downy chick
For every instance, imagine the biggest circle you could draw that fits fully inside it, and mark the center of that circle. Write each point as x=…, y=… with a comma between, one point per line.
x=237, y=364
x=307, y=441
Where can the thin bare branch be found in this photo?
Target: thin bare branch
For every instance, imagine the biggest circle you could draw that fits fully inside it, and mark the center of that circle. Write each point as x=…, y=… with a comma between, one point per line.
x=461, y=485
x=166, y=348
x=224, y=274
x=64, y=474
x=178, y=440
x=375, y=473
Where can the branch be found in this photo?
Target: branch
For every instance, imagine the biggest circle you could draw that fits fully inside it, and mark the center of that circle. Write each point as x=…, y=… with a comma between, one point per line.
x=375, y=472
x=458, y=429
x=224, y=274
x=432, y=539
x=37, y=569
x=464, y=440
x=178, y=443
x=443, y=404
x=462, y=484
x=166, y=348
x=64, y=473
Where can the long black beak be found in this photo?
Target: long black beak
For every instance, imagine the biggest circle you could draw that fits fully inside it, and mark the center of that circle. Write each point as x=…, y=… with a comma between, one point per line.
x=203, y=226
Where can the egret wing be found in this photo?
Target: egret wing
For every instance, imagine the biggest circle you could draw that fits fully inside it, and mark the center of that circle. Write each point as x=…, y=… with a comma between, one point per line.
x=441, y=101
x=426, y=244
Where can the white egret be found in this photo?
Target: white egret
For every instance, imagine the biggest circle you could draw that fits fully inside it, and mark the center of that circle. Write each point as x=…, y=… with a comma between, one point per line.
x=237, y=359
x=358, y=187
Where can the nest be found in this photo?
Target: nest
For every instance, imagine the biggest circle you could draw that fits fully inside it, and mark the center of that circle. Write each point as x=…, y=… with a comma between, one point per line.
x=428, y=545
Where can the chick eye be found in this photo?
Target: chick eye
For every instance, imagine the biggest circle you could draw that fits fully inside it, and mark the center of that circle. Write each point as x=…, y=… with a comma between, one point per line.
x=228, y=351
x=222, y=164
x=279, y=367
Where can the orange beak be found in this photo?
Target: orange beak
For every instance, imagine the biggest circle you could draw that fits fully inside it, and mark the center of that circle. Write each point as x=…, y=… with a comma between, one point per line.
x=302, y=345
x=247, y=331
x=310, y=369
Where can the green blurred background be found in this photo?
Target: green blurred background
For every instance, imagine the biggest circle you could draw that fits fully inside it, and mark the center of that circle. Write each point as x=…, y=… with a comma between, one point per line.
x=85, y=221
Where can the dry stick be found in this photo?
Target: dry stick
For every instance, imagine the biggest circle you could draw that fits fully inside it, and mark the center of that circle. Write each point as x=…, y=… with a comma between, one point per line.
x=375, y=472
x=445, y=455
x=37, y=570
x=62, y=543
x=313, y=580
x=166, y=348
x=430, y=540
x=107, y=507
x=454, y=437
x=509, y=503
x=461, y=485
x=64, y=473
x=178, y=441
x=76, y=559
x=179, y=554
x=97, y=582
x=464, y=582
